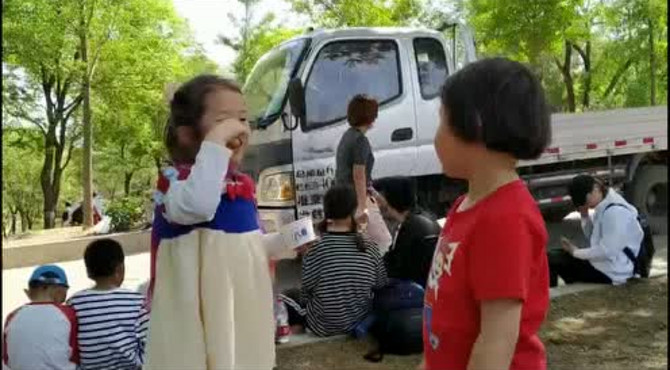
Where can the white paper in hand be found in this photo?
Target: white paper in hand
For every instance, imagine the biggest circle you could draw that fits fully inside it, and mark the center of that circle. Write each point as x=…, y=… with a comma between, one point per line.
x=298, y=233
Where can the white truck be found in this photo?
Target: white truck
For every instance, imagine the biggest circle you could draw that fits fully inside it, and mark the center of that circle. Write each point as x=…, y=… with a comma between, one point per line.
x=298, y=93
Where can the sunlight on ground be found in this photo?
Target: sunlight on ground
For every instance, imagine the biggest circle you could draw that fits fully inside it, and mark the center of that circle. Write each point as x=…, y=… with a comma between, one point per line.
x=642, y=313
x=601, y=314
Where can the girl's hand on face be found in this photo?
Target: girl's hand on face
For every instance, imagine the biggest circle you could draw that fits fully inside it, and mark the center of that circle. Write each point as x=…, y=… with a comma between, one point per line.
x=230, y=132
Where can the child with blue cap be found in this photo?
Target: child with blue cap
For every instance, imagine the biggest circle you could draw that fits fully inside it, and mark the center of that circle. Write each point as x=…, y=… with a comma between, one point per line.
x=43, y=333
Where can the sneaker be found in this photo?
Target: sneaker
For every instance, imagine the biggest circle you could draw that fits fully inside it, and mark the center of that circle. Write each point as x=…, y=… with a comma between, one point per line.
x=283, y=334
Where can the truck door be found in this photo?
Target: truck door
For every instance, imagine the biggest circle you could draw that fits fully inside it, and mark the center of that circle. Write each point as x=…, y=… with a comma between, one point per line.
x=430, y=67
x=338, y=70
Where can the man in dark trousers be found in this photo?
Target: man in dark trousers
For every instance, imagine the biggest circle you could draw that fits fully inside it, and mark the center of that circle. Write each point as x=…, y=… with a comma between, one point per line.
x=415, y=238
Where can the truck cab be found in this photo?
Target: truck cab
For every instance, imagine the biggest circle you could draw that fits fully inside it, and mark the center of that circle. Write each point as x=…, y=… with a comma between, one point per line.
x=297, y=96
x=292, y=154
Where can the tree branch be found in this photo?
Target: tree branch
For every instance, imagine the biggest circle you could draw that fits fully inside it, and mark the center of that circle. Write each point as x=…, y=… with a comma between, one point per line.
x=581, y=52
x=74, y=104
x=68, y=156
x=617, y=76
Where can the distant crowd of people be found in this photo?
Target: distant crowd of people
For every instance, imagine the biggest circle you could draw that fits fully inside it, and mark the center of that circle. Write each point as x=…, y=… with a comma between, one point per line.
x=483, y=279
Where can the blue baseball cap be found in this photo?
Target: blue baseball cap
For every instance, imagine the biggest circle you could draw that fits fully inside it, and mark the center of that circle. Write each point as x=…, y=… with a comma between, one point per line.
x=50, y=275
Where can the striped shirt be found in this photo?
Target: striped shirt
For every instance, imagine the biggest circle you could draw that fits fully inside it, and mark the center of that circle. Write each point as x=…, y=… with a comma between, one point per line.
x=112, y=328
x=338, y=281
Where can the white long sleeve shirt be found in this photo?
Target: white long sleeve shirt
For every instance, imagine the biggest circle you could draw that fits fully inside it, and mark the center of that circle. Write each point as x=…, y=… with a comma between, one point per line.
x=609, y=232
x=196, y=199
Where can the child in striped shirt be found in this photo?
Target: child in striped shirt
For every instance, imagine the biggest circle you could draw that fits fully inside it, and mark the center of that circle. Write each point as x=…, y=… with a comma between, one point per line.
x=112, y=320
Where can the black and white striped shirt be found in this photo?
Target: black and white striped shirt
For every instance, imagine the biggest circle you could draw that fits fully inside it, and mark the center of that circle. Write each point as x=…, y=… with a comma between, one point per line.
x=112, y=328
x=338, y=281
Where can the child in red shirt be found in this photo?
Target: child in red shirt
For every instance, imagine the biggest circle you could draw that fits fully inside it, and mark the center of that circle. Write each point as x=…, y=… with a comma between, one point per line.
x=487, y=293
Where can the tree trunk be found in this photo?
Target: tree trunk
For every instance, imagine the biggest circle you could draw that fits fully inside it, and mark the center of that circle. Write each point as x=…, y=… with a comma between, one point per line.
x=586, y=58
x=12, y=229
x=652, y=62
x=87, y=165
x=127, y=178
x=567, y=77
x=24, y=221
x=46, y=177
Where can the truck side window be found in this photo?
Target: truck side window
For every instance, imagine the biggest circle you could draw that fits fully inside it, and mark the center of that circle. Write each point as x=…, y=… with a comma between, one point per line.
x=343, y=69
x=431, y=63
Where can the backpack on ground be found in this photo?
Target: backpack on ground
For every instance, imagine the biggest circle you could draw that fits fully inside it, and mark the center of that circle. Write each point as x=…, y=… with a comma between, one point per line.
x=641, y=262
x=398, y=323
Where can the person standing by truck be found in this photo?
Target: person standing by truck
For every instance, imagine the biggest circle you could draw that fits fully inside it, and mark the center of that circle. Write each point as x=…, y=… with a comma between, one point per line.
x=355, y=161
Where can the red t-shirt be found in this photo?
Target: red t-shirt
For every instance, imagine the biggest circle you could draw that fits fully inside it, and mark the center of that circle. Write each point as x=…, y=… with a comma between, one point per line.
x=493, y=250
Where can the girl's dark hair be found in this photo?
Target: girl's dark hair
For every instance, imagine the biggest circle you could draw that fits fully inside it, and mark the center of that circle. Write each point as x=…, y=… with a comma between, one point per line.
x=501, y=104
x=340, y=203
x=187, y=108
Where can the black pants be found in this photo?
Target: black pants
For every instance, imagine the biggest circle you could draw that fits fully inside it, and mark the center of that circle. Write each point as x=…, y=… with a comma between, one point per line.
x=572, y=270
x=296, y=311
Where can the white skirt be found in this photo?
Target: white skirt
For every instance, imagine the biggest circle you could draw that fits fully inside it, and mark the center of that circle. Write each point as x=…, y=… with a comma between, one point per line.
x=212, y=304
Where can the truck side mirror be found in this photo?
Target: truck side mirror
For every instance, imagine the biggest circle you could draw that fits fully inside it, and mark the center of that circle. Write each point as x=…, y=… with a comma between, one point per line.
x=296, y=99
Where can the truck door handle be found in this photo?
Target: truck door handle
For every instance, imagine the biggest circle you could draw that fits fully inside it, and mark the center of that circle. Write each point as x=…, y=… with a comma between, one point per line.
x=402, y=134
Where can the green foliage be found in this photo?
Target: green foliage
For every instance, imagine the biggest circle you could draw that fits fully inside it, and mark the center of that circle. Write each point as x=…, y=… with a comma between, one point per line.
x=359, y=13
x=254, y=39
x=135, y=49
x=125, y=213
x=21, y=201
x=590, y=54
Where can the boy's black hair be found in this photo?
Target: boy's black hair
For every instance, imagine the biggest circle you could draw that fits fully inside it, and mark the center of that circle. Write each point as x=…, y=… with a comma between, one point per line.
x=399, y=192
x=581, y=186
x=501, y=104
x=102, y=258
x=340, y=203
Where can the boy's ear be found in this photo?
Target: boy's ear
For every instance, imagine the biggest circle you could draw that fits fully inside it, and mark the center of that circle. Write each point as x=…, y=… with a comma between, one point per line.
x=27, y=292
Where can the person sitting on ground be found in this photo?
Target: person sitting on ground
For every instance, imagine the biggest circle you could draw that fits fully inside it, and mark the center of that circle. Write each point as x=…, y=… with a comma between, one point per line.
x=339, y=273
x=43, y=333
x=112, y=321
x=613, y=229
x=415, y=238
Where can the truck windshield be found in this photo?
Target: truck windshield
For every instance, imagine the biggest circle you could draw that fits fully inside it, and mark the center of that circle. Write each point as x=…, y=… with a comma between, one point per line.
x=265, y=89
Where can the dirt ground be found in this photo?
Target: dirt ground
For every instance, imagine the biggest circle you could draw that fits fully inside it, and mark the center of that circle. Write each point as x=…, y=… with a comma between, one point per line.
x=614, y=328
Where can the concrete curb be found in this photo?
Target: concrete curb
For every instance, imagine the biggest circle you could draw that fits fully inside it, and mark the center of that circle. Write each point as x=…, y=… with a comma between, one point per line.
x=71, y=249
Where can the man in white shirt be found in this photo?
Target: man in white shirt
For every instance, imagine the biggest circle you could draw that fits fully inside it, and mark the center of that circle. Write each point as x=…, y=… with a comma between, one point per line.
x=614, y=228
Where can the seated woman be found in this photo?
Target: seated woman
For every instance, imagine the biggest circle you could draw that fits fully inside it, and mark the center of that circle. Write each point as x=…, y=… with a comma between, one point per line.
x=339, y=273
x=415, y=238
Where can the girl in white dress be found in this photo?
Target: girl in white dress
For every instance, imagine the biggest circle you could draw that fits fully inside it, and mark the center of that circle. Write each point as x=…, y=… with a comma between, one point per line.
x=210, y=293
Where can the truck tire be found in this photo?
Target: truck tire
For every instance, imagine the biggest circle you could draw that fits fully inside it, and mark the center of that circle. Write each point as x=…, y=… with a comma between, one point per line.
x=650, y=195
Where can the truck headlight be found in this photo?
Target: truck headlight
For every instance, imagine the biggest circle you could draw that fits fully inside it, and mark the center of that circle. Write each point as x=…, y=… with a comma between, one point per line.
x=277, y=188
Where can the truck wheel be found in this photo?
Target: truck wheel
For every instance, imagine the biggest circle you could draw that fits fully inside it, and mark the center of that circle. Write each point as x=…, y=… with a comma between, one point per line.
x=650, y=195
